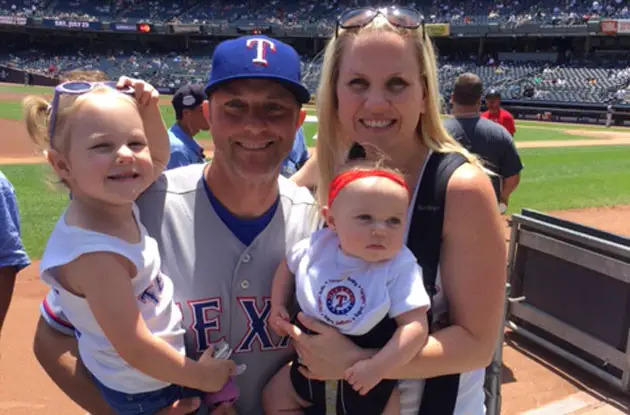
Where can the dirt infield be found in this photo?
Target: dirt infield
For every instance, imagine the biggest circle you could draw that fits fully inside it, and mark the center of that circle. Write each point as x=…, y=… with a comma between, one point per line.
x=601, y=138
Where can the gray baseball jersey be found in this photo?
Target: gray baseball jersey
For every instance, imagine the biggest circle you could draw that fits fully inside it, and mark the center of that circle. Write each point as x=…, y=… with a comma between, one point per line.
x=222, y=286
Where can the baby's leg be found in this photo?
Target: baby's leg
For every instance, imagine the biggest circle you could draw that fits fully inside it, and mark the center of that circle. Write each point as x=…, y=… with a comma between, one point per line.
x=393, y=405
x=279, y=396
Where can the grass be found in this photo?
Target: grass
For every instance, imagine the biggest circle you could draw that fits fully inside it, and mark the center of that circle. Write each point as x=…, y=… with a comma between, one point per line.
x=40, y=203
x=20, y=89
x=10, y=110
x=573, y=177
x=553, y=179
x=545, y=134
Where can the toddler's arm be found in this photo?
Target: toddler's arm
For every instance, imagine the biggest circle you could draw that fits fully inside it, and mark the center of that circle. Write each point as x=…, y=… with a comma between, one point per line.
x=148, y=99
x=407, y=341
x=105, y=281
x=281, y=289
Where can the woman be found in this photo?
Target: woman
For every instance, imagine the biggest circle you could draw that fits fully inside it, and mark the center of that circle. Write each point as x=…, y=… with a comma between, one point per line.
x=379, y=87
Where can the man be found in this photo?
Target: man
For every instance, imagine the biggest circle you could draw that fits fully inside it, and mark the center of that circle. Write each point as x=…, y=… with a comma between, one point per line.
x=490, y=141
x=190, y=121
x=222, y=227
x=12, y=254
x=297, y=156
x=496, y=113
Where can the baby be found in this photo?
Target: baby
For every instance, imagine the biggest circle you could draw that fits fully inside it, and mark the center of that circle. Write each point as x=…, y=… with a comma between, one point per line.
x=356, y=275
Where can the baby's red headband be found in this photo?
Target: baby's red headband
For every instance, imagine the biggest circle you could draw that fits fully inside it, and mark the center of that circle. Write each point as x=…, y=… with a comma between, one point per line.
x=342, y=179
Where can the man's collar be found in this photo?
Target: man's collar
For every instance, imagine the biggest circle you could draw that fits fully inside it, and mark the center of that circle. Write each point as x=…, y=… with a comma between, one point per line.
x=188, y=141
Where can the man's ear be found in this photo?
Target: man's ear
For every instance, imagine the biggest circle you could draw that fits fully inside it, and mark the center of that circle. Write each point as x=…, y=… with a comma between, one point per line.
x=328, y=217
x=302, y=117
x=59, y=164
x=205, y=106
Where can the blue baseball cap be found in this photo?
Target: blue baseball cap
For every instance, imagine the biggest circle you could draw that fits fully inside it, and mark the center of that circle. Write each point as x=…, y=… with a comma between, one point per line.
x=259, y=57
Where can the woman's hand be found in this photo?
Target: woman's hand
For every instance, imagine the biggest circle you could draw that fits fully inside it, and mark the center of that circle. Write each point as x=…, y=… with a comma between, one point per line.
x=326, y=355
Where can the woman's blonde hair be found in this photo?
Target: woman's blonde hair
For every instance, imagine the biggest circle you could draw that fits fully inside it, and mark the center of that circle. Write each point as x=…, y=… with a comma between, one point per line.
x=37, y=114
x=331, y=146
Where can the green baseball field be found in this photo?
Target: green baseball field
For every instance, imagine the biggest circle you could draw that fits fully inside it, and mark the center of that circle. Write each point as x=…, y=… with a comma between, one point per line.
x=567, y=167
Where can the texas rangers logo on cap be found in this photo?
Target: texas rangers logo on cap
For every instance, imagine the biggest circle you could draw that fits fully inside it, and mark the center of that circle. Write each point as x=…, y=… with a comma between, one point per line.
x=261, y=49
x=257, y=57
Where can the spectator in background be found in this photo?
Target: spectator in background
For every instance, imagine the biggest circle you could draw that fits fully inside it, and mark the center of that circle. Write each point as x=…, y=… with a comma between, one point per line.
x=12, y=254
x=496, y=113
x=609, y=114
x=490, y=141
x=87, y=76
x=190, y=121
x=297, y=156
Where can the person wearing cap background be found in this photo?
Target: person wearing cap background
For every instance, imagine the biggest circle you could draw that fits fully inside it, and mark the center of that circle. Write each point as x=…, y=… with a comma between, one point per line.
x=190, y=121
x=297, y=157
x=496, y=113
x=222, y=227
x=490, y=141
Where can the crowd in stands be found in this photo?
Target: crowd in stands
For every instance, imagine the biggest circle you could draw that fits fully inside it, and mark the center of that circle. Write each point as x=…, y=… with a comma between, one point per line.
x=295, y=12
x=599, y=81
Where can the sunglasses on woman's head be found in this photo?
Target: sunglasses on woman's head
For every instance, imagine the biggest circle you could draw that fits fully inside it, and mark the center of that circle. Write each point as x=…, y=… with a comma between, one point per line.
x=404, y=17
x=77, y=88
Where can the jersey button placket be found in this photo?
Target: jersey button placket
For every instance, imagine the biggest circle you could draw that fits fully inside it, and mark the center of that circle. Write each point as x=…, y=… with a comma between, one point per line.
x=245, y=259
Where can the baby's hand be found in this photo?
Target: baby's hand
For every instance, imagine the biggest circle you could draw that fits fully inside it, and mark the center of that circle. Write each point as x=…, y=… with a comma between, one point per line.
x=218, y=371
x=363, y=376
x=144, y=93
x=278, y=312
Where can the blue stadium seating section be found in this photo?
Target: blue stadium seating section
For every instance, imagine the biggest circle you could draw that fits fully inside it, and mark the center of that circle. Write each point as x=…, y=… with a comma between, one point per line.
x=588, y=83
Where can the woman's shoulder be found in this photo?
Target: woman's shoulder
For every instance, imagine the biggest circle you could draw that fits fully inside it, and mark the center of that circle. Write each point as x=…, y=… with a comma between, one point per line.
x=470, y=201
x=469, y=180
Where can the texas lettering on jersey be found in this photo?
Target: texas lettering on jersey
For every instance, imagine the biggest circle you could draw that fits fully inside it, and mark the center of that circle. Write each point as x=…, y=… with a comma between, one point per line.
x=153, y=292
x=206, y=324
